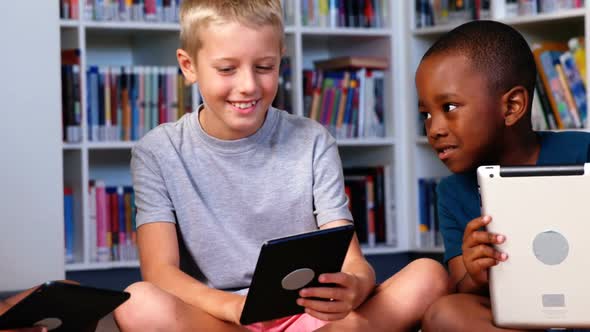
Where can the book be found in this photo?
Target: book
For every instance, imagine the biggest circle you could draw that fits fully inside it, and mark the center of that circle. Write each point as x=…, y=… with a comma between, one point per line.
x=352, y=62
x=69, y=224
x=544, y=54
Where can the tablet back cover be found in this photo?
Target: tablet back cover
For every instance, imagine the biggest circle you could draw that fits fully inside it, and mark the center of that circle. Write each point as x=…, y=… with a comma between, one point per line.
x=544, y=214
x=321, y=251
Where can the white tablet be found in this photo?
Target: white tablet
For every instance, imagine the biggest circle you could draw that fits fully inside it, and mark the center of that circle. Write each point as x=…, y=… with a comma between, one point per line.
x=544, y=212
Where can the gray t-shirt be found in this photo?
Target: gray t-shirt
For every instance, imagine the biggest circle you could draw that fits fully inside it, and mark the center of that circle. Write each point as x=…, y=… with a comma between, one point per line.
x=228, y=197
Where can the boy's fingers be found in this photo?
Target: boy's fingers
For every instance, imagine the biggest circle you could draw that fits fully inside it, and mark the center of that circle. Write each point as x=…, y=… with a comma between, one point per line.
x=482, y=237
x=476, y=224
x=325, y=316
x=323, y=306
x=323, y=292
x=486, y=263
x=485, y=251
x=335, y=278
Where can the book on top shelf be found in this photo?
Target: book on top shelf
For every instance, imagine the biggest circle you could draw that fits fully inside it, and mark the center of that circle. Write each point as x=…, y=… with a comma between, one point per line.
x=561, y=86
x=352, y=62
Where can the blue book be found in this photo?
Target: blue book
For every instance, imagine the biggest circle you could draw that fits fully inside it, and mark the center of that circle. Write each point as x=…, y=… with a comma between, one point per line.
x=69, y=224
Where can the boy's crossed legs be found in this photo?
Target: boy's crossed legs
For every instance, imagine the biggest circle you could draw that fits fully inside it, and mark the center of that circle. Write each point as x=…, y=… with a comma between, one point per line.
x=461, y=312
x=398, y=304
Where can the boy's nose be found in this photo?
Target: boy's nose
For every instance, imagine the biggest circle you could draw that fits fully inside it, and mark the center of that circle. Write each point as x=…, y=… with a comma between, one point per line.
x=437, y=127
x=247, y=83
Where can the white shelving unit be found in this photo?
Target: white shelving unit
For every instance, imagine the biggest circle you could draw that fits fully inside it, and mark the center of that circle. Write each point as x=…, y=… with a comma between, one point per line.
x=420, y=160
x=406, y=153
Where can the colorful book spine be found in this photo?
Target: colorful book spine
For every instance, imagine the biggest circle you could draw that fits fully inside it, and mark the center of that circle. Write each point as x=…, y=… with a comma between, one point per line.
x=102, y=242
x=69, y=228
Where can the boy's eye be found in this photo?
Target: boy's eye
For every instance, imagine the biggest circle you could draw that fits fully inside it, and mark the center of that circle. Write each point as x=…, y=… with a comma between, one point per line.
x=425, y=115
x=264, y=68
x=448, y=107
x=225, y=69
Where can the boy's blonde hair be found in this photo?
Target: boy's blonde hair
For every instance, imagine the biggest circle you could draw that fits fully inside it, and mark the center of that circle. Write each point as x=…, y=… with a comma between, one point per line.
x=197, y=14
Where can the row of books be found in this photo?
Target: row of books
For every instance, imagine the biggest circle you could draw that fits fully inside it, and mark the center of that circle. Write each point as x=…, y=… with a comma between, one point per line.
x=439, y=12
x=561, y=99
x=70, y=101
x=126, y=102
x=71, y=96
x=112, y=228
x=345, y=13
x=69, y=9
x=365, y=188
x=346, y=95
x=131, y=10
x=428, y=234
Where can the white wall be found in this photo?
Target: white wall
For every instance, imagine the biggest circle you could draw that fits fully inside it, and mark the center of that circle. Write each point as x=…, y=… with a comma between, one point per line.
x=31, y=194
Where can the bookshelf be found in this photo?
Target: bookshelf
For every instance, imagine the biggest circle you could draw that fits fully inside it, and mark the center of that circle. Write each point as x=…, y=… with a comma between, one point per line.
x=403, y=150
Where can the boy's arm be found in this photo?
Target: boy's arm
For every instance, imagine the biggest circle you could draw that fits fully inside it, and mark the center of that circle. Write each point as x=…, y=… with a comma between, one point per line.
x=159, y=258
x=356, y=265
x=461, y=279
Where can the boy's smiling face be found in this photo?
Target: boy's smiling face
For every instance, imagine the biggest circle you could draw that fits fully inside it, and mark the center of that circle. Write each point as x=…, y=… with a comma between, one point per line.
x=462, y=114
x=237, y=70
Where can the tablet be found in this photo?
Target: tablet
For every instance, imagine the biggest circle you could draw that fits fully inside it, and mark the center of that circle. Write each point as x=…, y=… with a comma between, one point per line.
x=544, y=213
x=62, y=307
x=286, y=265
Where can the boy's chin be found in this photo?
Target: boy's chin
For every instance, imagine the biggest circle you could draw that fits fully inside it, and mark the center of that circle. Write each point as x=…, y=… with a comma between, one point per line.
x=457, y=167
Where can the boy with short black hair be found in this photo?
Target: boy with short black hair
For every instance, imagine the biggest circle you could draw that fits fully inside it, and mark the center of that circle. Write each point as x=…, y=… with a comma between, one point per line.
x=237, y=172
x=475, y=88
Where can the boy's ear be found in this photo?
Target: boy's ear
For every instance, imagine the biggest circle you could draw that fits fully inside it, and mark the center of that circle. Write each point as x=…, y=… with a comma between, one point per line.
x=515, y=105
x=187, y=66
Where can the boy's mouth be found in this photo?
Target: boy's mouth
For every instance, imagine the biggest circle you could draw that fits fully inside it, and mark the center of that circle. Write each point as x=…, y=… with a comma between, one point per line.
x=244, y=107
x=445, y=151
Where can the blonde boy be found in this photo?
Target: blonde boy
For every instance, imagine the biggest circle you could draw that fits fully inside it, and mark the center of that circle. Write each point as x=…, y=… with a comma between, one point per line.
x=237, y=172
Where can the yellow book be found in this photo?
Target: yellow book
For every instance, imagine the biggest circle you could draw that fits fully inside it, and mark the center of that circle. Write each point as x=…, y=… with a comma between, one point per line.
x=576, y=46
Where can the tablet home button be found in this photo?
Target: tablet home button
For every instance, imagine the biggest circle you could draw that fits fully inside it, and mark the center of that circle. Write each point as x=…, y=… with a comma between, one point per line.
x=297, y=279
x=49, y=323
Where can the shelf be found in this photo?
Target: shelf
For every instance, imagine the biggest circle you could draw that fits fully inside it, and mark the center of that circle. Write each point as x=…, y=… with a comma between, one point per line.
x=374, y=141
x=538, y=19
x=68, y=23
x=110, y=145
x=431, y=250
x=72, y=146
x=139, y=26
x=381, y=250
x=371, y=32
x=290, y=29
x=101, y=266
x=564, y=15
x=422, y=140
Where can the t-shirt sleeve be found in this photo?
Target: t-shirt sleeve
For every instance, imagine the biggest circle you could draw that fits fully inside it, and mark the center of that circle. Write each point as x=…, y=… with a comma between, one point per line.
x=451, y=230
x=329, y=197
x=152, y=200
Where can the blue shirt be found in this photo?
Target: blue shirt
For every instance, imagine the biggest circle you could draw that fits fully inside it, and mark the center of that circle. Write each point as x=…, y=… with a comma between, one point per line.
x=458, y=200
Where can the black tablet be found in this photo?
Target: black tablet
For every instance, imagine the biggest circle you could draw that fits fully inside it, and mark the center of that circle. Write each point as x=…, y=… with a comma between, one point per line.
x=62, y=307
x=286, y=265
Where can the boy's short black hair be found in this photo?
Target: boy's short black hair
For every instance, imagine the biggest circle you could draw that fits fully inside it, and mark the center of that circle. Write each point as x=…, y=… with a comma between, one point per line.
x=497, y=50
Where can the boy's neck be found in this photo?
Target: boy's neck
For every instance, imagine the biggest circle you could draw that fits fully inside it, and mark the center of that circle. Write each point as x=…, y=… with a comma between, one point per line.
x=520, y=148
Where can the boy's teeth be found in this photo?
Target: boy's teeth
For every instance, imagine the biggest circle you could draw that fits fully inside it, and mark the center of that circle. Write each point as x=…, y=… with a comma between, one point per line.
x=244, y=105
